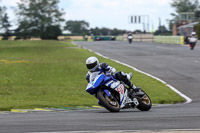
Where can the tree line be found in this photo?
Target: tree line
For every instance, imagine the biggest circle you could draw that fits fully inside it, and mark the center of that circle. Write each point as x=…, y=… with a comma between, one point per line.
x=35, y=18
x=44, y=19
x=82, y=28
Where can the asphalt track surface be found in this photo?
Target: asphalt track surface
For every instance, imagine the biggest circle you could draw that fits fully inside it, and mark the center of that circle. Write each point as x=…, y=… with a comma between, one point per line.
x=175, y=64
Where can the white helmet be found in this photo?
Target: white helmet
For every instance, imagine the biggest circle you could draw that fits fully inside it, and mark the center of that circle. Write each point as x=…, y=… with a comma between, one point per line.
x=193, y=33
x=92, y=63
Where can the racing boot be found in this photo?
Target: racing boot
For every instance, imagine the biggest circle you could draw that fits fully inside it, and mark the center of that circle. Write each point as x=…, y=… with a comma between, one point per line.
x=138, y=91
x=134, y=90
x=130, y=89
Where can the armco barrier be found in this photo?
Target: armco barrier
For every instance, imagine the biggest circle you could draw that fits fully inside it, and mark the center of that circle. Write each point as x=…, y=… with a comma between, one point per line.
x=143, y=37
x=119, y=38
x=136, y=37
x=169, y=39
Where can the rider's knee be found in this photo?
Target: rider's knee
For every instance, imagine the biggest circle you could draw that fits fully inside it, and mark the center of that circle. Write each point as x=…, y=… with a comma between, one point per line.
x=121, y=76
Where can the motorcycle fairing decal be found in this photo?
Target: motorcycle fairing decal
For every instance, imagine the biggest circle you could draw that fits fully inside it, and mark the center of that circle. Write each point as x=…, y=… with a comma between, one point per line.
x=125, y=100
x=122, y=93
x=113, y=84
x=107, y=92
x=121, y=101
x=98, y=81
x=120, y=89
x=109, y=83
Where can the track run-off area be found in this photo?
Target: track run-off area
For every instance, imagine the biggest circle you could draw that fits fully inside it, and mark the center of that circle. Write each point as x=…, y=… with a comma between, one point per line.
x=177, y=65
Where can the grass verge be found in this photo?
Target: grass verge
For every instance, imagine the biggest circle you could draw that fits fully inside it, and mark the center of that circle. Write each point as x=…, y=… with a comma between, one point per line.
x=52, y=74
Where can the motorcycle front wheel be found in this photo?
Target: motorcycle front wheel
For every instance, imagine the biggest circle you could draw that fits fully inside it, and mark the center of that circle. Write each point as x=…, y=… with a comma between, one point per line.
x=145, y=103
x=110, y=103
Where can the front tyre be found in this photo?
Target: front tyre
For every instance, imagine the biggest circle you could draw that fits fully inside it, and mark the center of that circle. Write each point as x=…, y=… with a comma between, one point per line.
x=145, y=103
x=110, y=103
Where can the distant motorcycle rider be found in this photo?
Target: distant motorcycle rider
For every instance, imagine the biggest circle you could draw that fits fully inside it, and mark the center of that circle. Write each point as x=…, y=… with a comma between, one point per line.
x=93, y=65
x=192, y=40
x=130, y=37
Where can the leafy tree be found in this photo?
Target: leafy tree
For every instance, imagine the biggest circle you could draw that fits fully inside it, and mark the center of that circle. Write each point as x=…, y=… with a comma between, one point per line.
x=2, y=12
x=137, y=31
x=4, y=22
x=198, y=30
x=170, y=24
x=77, y=27
x=185, y=5
x=162, y=30
x=95, y=31
x=5, y=25
x=82, y=28
x=106, y=31
x=35, y=17
x=52, y=32
x=197, y=13
x=116, y=32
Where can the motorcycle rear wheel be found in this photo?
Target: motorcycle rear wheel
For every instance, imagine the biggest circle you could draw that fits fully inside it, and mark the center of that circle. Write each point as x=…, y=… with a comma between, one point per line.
x=145, y=103
x=109, y=103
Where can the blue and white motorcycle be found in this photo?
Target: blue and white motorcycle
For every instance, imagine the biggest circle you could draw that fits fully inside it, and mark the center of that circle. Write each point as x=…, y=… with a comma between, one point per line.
x=113, y=94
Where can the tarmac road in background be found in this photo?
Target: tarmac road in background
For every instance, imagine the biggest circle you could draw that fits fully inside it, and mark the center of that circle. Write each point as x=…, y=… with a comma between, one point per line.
x=175, y=64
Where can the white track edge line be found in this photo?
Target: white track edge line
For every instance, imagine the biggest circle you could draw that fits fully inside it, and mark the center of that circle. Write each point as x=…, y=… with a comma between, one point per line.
x=125, y=131
x=188, y=100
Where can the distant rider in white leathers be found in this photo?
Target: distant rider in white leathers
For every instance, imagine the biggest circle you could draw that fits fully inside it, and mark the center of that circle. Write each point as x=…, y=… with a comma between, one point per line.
x=192, y=40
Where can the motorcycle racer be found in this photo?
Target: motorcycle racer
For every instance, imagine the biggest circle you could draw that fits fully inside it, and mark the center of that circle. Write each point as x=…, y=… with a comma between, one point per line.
x=193, y=40
x=130, y=37
x=93, y=65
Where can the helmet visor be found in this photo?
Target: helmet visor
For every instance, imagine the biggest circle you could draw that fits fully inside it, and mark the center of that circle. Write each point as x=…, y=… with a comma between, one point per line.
x=90, y=66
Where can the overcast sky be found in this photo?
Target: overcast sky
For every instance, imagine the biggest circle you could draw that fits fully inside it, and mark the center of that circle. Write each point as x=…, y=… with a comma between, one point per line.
x=111, y=13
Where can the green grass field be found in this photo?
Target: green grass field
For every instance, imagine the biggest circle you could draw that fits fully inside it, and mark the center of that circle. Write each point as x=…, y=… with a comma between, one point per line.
x=52, y=74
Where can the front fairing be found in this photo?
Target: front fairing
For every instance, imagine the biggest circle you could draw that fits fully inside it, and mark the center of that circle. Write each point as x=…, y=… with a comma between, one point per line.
x=96, y=81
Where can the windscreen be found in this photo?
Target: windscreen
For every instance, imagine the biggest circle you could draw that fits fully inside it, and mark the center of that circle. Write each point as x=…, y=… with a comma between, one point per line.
x=93, y=76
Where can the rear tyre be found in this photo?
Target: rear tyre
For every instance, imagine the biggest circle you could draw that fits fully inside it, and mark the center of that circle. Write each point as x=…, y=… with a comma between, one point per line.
x=110, y=103
x=145, y=103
